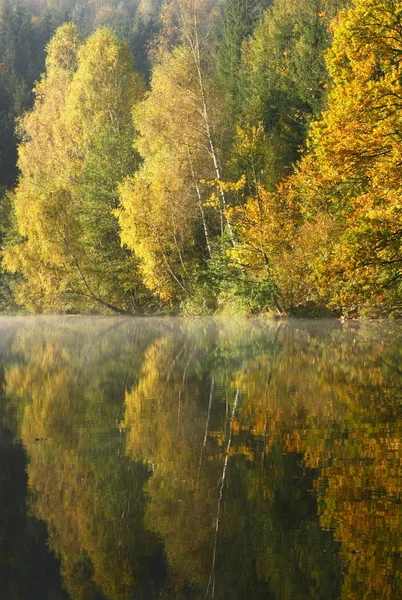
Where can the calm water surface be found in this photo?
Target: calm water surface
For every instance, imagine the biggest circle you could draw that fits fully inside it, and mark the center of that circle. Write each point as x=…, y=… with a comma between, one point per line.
x=163, y=459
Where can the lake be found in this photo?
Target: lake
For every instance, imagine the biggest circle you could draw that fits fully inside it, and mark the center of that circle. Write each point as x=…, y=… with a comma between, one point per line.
x=157, y=458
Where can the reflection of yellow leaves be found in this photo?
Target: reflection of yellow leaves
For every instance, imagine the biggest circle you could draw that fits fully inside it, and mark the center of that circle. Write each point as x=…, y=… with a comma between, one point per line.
x=302, y=391
x=61, y=381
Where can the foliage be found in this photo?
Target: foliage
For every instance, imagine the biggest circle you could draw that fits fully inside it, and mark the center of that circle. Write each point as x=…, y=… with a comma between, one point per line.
x=7, y=303
x=284, y=78
x=165, y=217
x=352, y=172
x=259, y=169
x=22, y=42
x=70, y=253
x=235, y=24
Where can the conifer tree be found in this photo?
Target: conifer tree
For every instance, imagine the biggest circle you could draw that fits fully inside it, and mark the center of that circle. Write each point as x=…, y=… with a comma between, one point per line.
x=284, y=73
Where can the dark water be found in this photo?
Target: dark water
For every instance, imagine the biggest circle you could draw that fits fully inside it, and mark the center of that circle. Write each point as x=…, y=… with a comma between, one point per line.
x=145, y=459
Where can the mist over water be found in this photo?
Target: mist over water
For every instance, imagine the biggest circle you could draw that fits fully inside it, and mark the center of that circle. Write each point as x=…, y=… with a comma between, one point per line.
x=164, y=458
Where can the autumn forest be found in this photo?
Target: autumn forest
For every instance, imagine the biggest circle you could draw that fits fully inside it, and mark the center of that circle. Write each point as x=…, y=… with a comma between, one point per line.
x=201, y=157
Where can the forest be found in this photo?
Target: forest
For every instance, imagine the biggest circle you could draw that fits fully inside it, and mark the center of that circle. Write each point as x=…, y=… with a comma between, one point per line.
x=201, y=157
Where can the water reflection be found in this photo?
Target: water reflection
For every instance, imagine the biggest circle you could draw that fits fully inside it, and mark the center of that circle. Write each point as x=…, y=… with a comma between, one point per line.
x=206, y=460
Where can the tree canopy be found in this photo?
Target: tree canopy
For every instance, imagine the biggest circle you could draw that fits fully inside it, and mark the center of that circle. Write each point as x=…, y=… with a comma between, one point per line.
x=255, y=167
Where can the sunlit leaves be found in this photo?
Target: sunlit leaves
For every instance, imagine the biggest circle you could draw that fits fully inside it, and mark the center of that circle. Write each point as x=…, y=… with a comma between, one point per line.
x=69, y=253
x=349, y=180
x=164, y=216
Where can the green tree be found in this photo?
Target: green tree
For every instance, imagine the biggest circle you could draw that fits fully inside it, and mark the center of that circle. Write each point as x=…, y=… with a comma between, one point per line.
x=235, y=24
x=22, y=41
x=283, y=71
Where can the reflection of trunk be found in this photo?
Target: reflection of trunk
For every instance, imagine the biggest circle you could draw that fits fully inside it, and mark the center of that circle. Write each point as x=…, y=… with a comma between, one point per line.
x=206, y=428
x=195, y=51
x=197, y=189
x=211, y=581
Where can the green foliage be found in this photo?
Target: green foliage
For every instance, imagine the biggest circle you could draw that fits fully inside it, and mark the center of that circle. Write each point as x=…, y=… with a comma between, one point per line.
x=224, y=287
x=236, y=23
x=284, y=78
x=22, y=54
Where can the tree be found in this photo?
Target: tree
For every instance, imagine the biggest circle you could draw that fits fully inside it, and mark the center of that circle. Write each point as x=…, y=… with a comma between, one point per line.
x=69, y=252
x=165, y=218
x=234, y=25
x=284, y=73
x=42, y=156
x=352, y=172
x=22, y=41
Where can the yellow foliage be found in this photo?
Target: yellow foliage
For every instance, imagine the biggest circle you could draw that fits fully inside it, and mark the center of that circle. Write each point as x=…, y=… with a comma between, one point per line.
x=86, y=87
x=351, y=175
x=164, y=206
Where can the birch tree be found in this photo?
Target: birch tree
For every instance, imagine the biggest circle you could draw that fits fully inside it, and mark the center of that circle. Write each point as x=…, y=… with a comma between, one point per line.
x=167, y=215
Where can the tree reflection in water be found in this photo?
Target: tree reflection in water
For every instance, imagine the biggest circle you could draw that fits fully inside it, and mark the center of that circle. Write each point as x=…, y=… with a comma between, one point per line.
x=173, y=459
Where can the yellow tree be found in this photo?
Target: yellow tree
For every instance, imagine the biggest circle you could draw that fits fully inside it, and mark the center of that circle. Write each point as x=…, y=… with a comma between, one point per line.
x=353, y=171
x=344, y=249
x=76, y=147
x=41, y=153
x=164, y=216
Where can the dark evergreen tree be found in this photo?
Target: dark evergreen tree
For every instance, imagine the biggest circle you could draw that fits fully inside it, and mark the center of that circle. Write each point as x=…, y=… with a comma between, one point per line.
x=236, y=22
x=285, y=78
